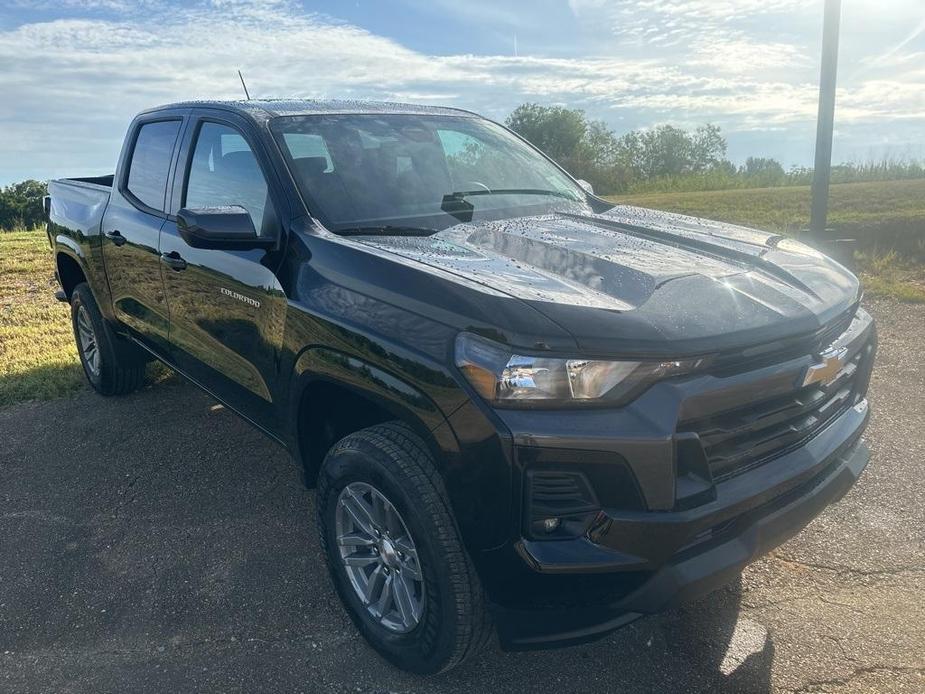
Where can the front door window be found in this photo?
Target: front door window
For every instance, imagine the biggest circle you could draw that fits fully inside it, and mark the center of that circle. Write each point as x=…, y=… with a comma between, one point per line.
x=224, y=172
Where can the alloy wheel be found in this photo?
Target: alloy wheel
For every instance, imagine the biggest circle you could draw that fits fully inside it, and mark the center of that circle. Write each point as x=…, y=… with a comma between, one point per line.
x=380, y=557
x=89, y=346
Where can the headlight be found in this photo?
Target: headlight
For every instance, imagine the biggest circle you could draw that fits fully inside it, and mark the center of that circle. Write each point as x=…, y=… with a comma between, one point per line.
x=516, y=380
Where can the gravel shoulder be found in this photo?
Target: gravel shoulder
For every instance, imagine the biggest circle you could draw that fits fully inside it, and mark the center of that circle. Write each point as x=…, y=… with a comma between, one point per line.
x=158, y=543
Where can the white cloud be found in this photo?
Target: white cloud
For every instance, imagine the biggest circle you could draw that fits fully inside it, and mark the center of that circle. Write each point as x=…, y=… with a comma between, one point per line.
x=673, y=22
x=746, y=56
x=72, y=85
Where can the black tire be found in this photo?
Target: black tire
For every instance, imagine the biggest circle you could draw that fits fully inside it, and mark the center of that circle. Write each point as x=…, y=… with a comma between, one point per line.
x=119, y=366
x=454, y=623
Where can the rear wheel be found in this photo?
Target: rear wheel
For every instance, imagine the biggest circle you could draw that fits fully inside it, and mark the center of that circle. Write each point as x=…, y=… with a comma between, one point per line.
x=113, y=365
x=394, y=552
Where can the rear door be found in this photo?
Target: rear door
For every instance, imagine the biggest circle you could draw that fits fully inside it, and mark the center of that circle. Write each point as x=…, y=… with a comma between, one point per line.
x=132, y=224
x=227, y=308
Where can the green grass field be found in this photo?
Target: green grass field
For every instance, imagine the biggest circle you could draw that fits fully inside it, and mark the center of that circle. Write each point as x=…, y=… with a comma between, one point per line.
x=38, y=359
x=856, y=209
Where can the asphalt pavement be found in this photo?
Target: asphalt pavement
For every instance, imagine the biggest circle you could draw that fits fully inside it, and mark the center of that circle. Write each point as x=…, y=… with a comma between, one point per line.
x=157, y=543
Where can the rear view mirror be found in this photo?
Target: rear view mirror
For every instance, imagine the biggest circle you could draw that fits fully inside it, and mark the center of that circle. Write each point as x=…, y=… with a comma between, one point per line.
x=225, y=228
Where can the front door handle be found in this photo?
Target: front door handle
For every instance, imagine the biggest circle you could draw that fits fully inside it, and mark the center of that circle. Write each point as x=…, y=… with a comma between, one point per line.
x=116, y=237
x=173, y=261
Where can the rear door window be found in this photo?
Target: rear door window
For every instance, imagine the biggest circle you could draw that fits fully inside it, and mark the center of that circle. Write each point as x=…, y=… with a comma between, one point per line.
x=150, y=162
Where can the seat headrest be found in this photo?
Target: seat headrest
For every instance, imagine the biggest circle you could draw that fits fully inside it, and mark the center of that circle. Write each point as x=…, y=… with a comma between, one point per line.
x=242, y=161
x=309, y=167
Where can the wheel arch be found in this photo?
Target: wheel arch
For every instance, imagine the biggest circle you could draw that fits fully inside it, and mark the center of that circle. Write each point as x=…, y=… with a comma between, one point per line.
x=337, y=393
x=70, y=271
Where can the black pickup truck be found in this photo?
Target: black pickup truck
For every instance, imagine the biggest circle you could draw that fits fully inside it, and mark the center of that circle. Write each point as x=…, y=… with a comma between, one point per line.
x=524, y=408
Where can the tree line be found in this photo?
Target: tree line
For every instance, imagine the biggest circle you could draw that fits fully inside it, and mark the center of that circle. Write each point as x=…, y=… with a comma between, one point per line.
x=667, y=159
x=21, y=205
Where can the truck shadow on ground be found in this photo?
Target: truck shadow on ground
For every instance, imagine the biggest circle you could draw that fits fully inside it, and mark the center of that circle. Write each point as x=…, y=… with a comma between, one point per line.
x=703, y=646
x=156, y=542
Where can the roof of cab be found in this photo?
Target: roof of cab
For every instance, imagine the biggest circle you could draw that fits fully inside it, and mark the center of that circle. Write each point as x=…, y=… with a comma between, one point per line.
x=265, y=109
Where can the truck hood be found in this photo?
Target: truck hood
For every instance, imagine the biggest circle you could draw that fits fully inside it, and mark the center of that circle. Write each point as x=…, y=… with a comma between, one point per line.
x=633, y=281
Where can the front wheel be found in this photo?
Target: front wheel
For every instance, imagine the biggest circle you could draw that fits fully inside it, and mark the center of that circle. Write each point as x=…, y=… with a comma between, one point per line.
x=112, y=365
x=394, y=553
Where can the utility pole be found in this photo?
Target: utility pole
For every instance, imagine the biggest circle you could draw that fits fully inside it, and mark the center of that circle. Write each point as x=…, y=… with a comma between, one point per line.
x=826, y=122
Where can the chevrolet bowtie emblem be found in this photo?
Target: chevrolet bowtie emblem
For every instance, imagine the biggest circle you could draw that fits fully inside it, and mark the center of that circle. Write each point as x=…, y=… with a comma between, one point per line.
x=827, y=369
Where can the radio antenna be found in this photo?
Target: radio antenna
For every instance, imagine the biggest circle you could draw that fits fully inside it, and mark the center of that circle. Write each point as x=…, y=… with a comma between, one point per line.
x=244, y=85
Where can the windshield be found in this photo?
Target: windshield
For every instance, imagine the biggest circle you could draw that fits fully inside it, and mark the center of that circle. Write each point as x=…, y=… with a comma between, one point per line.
x=391, y=172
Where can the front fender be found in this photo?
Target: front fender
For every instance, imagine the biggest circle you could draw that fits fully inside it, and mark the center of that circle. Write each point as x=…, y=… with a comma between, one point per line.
x=474, y=467
x=408, y=403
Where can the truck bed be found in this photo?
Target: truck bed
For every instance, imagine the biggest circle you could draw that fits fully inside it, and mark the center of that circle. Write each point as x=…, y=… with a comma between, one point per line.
x=99, y=181
x=77, y=204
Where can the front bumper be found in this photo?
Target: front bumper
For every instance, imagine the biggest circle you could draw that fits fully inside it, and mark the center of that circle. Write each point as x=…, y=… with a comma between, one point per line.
x=656, y=560
x=616, y=513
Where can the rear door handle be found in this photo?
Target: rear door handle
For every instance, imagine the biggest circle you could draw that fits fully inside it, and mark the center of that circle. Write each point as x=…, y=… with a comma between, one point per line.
x=116, y=237
x=173, y=261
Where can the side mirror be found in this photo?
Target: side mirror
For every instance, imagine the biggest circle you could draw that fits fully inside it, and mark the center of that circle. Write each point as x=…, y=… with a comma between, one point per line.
x=588, y=188
x=220, y=228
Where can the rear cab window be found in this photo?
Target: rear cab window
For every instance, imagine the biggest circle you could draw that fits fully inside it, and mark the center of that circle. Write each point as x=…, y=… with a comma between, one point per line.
x=150, y=162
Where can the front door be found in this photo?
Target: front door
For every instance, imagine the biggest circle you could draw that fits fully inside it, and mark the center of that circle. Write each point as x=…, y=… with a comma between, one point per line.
x=227, y=308
x=131, y=230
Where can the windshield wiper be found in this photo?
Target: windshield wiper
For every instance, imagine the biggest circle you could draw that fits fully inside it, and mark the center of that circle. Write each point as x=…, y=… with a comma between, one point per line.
x=459, y=194
x=456, y=205
x=453, y=203
x=385, y=230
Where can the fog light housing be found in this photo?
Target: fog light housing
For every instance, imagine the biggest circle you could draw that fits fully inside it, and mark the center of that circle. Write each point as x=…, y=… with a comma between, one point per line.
x=558, y=504
x=551, y=524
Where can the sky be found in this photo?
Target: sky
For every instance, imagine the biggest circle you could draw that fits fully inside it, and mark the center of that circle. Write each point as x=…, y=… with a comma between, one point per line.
x=74, y=72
